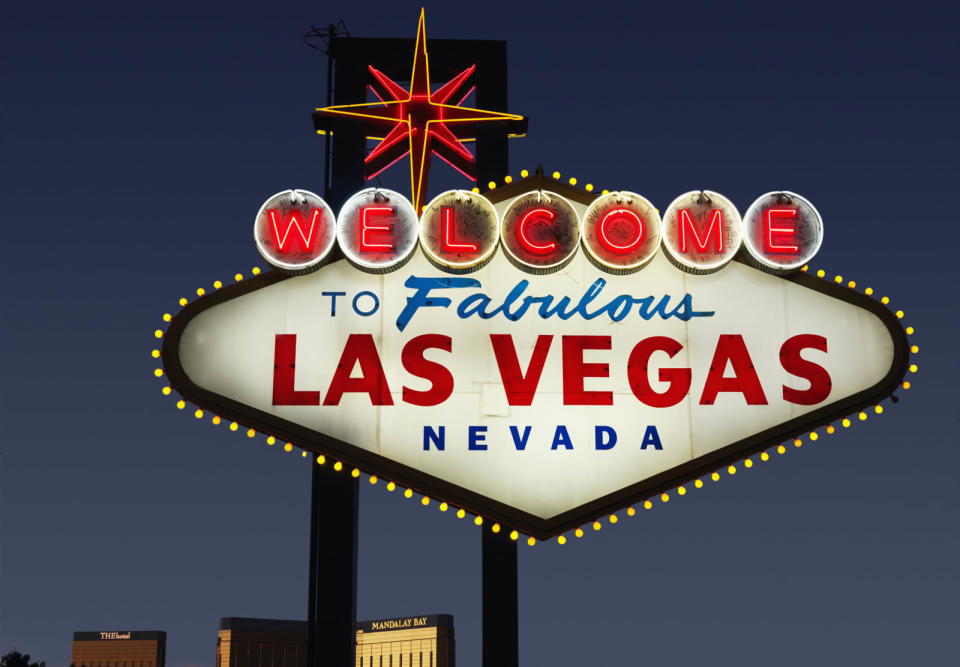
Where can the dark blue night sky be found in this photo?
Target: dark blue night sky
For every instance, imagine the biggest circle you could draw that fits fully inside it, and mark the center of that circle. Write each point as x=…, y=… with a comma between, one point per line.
x=138, y=141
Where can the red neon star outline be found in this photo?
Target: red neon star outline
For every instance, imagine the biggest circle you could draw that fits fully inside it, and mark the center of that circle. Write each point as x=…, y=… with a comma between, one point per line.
x=421, y=117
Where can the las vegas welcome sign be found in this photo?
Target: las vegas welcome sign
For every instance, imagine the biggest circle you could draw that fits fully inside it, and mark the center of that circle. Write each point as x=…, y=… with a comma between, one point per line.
x=538, y=355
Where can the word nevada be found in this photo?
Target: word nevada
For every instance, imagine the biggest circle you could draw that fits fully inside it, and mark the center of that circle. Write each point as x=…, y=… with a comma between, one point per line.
x=540, y=231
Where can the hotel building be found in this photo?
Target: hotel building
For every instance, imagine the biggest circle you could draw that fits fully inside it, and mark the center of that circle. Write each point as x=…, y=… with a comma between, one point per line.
x=119, y=649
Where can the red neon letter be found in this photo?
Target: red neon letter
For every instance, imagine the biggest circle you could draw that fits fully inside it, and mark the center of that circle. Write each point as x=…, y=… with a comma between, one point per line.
x=731, y=349
x=639, y=377
x=441, y=381
x=306, y=239
x=519, y=388
x=575, y=369
x=284, y=369
x=359, y=348
x=815, y=374
x=770, y=229
x=630, y=218
x=716, y=225
x=525, y=241
x=447, y=243
x=367, y=228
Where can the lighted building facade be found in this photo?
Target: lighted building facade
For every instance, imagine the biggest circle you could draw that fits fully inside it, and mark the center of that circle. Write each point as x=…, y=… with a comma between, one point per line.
x=409, y=641
x=119, y=649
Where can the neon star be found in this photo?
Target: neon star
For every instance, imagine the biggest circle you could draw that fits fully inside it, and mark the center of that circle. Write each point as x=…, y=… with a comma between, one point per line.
x=419, y=122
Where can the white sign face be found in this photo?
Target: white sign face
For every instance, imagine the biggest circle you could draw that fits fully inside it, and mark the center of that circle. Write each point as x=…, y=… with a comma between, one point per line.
x=538, y=397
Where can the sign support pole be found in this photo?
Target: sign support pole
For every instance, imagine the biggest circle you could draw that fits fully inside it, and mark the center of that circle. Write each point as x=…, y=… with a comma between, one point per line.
x=501, y=636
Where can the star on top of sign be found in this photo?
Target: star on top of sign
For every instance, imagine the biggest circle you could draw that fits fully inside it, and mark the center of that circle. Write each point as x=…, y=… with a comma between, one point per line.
x=418, y=122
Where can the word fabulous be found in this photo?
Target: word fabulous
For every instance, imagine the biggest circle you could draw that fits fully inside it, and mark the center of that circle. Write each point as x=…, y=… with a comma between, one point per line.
x=377, y=231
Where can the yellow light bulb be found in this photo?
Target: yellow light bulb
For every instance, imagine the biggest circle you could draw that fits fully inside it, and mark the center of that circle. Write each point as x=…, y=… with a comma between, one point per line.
x=589, y=187
x=647, y=505
x=748, y=463
x=217, y=284
x=495, y=527
x=478, y=520
x=183, y=301
x=514, y=535
x=158, y=333
x=166, y=391
x=271, y=440
x=200, y=291
x=715, y=476
x=338, y=466
x=631, y=511
x=475, y=191
x=913, y=368
x=425, y=501
x=868, y=291
x=491, y=185
x=814, y=436
x=167, y=317
x=899, y=314
x=303, y=454
x=556, y=175
x=198, y=414
x=596, y=525
x=913, y=348
x=321, y=459
x=605, y=192
x=909, y=330
x=289, y=448
x=831, y=429
x=682, y=490
x=905, y=385
x=255, y=270
x=731, y=469
x=155, y=353
x=698, y=484
x=863, y=416
x=408, y=493
x=158, y=372
x=391, y=486
x=373, y=479
x=885, y=300
x=821, y=273
x=613, y=518
x=781, y=449
x=561, y=540
x=508, y=179
x=444, y=507
x=531, y=541
x=355, y=472
x=838, y=279
x=878, y=409
x=238, y=277
x=572, y=181
x=852, y=284
x=251, y=433
x=461, y=513
x=216, y=420
x=524, y=173
x=578, y=532
x=181, y=405
x=664, y=497
x=234, y=426
x=797, y=442
x=764, y=456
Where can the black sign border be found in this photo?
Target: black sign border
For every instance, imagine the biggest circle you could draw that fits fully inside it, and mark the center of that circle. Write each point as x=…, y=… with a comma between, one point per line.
x=510, y=517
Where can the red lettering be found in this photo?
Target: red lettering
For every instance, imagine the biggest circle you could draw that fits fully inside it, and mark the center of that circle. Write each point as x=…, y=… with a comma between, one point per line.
x=638, y=375
x=714, y=230
x=306, y=238
x=771, y=229
x=575, y=369
x=520, y=388
x=523, y=235
x=361, y=349
x=815, y=374
x=368, y=229
x=627, y=218
x=284, y=368
x=441, y=380
x=731, y=349
x=447, y=244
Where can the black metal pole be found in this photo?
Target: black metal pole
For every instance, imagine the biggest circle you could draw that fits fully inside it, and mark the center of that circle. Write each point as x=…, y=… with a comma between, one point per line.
x=501, y=636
